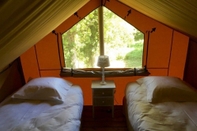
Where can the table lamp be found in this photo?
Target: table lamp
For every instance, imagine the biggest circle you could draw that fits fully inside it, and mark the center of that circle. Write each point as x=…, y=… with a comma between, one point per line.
x=103, y=61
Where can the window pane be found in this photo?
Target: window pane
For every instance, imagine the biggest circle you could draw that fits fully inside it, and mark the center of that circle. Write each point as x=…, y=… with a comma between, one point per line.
x=81, y=43
x=123, y=42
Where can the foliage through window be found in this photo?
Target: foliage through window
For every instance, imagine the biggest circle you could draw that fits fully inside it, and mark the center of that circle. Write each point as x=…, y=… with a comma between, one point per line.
x=123, y=43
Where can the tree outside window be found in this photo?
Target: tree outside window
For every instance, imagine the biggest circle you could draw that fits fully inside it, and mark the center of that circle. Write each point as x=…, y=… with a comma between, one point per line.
x=123, y=43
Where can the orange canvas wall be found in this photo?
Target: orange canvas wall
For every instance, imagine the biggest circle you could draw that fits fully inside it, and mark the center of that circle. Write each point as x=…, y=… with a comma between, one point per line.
x=29, y=64
x=162, y=49
x=178, y=54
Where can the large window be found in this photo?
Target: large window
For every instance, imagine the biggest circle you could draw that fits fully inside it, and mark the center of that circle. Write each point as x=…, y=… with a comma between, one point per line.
x=122, y=42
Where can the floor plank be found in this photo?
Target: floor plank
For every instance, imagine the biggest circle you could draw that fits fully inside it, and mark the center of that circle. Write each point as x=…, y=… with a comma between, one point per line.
x=103, y=120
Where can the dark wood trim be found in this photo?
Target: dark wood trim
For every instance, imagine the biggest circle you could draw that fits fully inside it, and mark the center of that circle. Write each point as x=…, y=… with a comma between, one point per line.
x=108, y=72
x=191, y=64
x=103, y=120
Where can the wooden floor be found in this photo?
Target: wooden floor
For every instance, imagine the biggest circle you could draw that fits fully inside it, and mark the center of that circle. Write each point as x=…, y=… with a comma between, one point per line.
x=103, y=120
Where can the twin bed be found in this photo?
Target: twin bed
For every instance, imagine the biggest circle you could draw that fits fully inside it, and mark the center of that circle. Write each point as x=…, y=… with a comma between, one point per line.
x=160, y=103
x=43, y=104
x=153, y=103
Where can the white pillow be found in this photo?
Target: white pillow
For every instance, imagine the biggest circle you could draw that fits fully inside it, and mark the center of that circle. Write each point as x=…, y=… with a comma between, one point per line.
x=44, y=88
x=166, y=88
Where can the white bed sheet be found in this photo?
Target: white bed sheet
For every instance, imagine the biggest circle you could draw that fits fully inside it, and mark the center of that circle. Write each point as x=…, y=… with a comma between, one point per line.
x=17, y=115
x=166, y=116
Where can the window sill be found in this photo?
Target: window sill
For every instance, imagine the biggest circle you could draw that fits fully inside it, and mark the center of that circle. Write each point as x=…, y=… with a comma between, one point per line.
x=108, y=72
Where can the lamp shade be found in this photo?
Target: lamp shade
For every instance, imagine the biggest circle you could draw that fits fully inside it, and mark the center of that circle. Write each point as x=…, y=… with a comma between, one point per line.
x=103, y=61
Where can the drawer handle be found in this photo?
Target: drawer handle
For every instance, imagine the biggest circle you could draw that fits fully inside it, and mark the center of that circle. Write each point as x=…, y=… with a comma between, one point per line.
x=103, y=93
x=103, y=102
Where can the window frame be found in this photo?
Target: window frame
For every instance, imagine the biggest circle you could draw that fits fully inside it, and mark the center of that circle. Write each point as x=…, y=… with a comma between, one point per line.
x=113, y=72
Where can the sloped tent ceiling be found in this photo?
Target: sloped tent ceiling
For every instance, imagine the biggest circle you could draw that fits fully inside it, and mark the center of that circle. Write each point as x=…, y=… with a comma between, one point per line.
x=24, y=22
x=178, y=14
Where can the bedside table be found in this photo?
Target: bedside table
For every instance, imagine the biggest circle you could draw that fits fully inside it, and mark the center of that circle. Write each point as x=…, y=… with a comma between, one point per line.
x=103, y=95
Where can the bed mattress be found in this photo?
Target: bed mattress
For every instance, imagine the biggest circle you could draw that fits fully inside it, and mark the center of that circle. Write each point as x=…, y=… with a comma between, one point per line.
x=18, y=115
x=165, y=116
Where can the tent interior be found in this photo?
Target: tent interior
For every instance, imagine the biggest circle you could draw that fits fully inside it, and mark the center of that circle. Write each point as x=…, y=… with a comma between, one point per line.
x=25, y=24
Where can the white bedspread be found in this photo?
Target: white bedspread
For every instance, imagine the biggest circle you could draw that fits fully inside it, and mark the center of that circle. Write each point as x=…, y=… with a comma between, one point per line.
x=40, y=116
x=166, y=116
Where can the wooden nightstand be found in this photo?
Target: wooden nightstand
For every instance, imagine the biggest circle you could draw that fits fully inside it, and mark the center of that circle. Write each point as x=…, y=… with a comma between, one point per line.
x=103, y=95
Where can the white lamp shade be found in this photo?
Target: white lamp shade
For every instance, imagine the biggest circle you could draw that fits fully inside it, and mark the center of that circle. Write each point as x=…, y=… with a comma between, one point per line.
x=103, y=61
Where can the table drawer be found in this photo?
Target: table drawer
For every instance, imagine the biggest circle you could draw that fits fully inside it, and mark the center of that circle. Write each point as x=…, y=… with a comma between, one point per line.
x=103, y=101
x=103, y=92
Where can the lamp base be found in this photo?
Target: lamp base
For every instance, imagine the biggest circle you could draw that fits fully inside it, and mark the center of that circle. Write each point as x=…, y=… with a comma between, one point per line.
x=103, y=77
x=103, y=83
